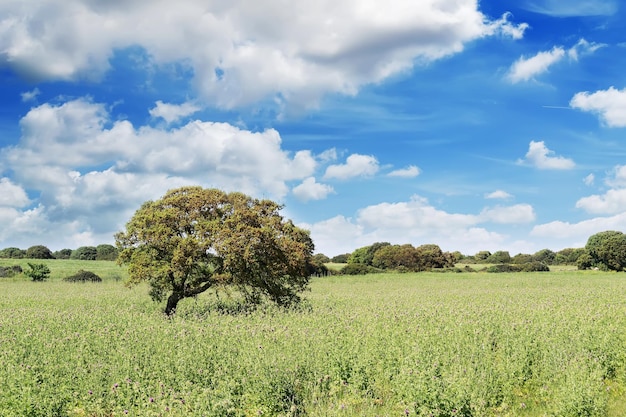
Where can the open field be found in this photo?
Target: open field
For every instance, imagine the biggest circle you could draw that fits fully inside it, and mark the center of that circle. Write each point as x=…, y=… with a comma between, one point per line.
x=429, y=344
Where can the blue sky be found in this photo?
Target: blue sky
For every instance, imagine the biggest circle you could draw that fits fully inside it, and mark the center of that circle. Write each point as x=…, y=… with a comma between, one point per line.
x=492, y=125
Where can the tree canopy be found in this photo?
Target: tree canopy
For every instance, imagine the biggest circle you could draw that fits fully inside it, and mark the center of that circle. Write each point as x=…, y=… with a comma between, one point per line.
x=193, y=239
x=605, y=250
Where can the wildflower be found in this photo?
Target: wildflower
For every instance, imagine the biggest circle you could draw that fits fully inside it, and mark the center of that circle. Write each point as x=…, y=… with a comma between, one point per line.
x=90, y=392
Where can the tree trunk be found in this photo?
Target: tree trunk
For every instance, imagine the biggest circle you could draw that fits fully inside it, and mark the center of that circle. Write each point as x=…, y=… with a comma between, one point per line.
x=172, y=302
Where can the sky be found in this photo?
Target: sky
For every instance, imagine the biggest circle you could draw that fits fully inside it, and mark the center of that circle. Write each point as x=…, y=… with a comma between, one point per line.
x=491, y=125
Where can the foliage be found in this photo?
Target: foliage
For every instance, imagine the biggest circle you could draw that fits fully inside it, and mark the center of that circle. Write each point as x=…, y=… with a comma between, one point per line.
x=193, y=239
x=365, y=254
x=62, y=254
x=38, y=272
x=358, y=269
x=482, y=256
x=13, y=253
x=340, y=259
x=83, y=276
x=545, y=255
x=85, y=253
x=607, y=250
x=39, y=252
x=533, y=266
x=568, y=256
x=499, y=257
x=10, y=271
x=521, y=258
x=408, y=258
x=106, y=252
x=487, y=345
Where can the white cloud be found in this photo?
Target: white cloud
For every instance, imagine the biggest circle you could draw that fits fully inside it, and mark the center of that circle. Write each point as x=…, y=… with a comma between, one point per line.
x=242, y=53
x=409, y=172
x=12, y=195
x=173, y=112
x=525, y=69
x=613, y=201
x=30, y=95
x=309, y=189
x=583, y=47
x=91, y=173
x=589, y=179
x=578, y=233
x=519, y=213
x=616, y=177
x=609, y=105
x=417, y=222
x=539, y=156
x=356, y=166
x=499, y=194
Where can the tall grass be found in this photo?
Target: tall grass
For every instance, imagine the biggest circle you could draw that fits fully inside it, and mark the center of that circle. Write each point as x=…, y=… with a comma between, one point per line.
x=381, y=345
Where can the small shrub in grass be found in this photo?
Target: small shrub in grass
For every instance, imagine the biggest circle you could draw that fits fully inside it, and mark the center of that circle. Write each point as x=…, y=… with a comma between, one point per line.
x=38, y=272
x=10, y=271
x=83, y=276
x=534, y=266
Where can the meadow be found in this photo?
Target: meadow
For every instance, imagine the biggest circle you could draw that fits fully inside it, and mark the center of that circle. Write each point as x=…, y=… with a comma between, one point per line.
x=427, y=344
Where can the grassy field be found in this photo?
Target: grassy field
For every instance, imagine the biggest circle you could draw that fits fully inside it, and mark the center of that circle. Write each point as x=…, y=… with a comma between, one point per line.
x=429, y=344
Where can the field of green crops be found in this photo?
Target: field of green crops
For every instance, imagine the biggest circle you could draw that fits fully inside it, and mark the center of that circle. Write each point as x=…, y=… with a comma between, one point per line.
x=429, y=344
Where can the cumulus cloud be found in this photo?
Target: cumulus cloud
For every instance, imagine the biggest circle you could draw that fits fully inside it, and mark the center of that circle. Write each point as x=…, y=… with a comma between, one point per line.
x=417, y=221
x=240, y=54
x=12, y=195
x=173, y=112
x=578, y=233
x=309, y=189
x=409, y=172
x=91, y=173
x=540, y=156
x=499, y=195
x=611, y=202
x=609, y=105
x=356, y=166
x=519, y=213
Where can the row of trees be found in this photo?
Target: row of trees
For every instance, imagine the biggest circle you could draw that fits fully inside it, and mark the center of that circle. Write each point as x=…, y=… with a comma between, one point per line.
x=102, y=252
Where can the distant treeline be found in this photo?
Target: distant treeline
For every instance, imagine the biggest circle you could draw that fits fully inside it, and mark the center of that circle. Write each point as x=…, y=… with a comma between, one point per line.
x=102, y=252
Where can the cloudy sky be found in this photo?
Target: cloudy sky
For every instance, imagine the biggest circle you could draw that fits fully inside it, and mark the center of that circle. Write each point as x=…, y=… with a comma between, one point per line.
x=498, y=125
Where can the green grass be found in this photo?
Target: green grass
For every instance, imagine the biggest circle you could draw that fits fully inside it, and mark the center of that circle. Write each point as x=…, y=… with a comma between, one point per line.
x=545, y=344
x=61, y=268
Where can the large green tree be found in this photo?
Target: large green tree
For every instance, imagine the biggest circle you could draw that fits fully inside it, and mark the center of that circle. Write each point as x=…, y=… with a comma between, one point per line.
x=607, y=250
x=193, y=239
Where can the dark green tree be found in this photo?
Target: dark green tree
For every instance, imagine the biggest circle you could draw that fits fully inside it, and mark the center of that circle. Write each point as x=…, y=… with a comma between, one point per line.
x=39, y=252
x=340, y=259
x=13, y=253
x=106, y=252
x=499, y=257
x=608, y=250
x=85, y=253
x=62, y=254
x=482, y=256
x=365, y=255
x=545, y=256
x=193, y=239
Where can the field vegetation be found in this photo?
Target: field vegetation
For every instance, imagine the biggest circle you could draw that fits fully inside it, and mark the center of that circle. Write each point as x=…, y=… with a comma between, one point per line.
x=387, y=344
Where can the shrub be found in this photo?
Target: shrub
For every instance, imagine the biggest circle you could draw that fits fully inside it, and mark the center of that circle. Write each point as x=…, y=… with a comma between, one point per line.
x=534, y=266
x=106, y=252
x=38, y=272
x=14, y=253
x=358, y=269
x=10, y=271
x=39, y=252
x=83, y=276
x=85, y=253
x=62, y=254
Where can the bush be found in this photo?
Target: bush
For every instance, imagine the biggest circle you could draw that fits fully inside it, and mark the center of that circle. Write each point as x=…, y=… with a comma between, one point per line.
x=83, y=276
x=39, y=252
x=85, y=253
x=358, y=269
x=13, y=253
x=62, y=254
x=534, y=266
x=106, y=252
x=10, y=271
x=38, y=272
